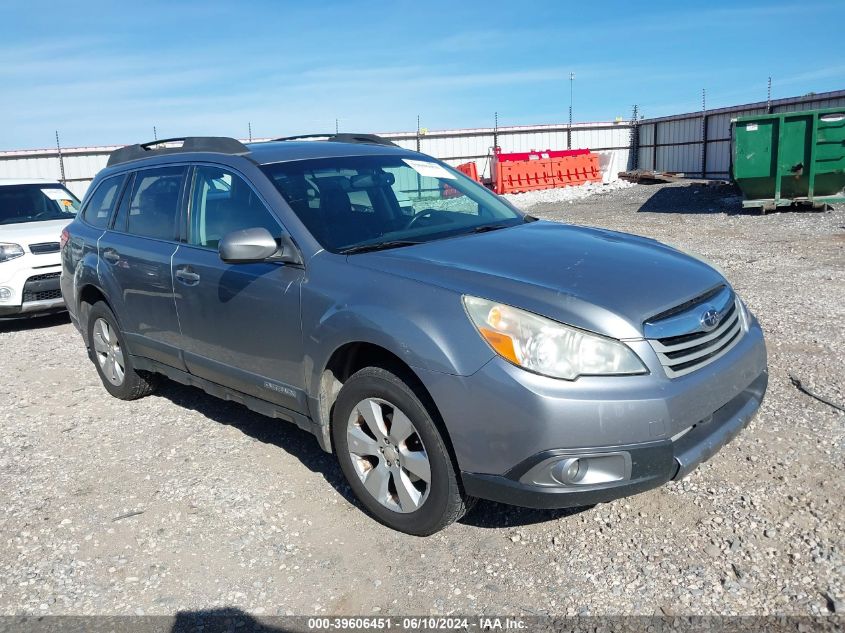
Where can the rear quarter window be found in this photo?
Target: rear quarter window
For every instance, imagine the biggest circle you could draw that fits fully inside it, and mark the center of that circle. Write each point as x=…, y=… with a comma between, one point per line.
x=99, y=208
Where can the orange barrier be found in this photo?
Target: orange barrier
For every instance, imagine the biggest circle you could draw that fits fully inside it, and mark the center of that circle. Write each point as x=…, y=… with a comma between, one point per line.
x=469, y=169
x=545, y=173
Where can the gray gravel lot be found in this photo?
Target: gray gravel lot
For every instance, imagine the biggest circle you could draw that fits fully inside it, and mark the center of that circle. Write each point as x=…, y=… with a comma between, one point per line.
x=234, y=510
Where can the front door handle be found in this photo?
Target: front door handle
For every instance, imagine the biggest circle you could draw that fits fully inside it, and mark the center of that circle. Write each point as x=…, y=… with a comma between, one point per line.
x=187, y=276
x=111, y=255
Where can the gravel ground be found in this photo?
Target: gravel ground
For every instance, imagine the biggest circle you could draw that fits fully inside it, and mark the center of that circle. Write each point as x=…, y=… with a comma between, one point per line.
x=183, y=502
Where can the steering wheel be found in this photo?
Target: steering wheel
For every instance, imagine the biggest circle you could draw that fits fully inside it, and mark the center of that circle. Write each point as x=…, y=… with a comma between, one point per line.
x=425, y=213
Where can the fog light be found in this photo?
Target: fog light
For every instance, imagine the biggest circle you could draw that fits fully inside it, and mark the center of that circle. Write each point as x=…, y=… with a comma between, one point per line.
x=594, y=469
x=569, y=470
x=5, y=293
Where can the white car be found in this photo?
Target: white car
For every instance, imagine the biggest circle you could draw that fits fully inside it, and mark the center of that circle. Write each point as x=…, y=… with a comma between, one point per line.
x=33, y=214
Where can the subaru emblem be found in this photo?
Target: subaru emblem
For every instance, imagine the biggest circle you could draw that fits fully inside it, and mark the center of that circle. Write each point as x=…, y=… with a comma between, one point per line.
x=710, y=319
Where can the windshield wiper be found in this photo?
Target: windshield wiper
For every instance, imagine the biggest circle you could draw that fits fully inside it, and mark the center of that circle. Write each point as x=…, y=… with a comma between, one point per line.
x=490, y=227
x=379, y=246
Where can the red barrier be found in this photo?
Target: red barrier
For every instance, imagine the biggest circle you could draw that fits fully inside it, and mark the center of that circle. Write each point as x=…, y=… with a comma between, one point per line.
x=573, y=167
x=535, y=155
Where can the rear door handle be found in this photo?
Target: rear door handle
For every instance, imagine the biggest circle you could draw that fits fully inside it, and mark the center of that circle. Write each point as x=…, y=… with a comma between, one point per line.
x=111, y=255
x=187, y=277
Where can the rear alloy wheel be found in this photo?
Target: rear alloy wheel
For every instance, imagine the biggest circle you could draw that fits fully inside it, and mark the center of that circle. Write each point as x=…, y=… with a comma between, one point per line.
x=109, y=353
x=393, y=454
x=113, y=363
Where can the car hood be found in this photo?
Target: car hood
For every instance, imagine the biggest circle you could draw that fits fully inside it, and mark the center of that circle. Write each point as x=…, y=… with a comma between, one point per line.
x=27, y=233
x=600, y=280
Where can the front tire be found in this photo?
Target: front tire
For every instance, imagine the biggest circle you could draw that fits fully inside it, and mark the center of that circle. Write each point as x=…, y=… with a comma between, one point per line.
x=112, y=360
x=393, y=455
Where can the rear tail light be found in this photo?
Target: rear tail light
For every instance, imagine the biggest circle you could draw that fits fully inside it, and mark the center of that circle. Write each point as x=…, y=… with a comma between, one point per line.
x=64, y=238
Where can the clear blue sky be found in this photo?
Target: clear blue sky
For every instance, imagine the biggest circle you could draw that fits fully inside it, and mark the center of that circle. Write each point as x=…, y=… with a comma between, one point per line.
x=107, y=72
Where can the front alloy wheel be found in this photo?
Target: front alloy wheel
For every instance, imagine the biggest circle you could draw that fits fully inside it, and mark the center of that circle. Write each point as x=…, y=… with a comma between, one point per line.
x=387, y=435
x=388, y=455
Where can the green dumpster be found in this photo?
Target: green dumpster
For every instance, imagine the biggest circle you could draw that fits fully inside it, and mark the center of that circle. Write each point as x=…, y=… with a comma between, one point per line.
x=790, y=157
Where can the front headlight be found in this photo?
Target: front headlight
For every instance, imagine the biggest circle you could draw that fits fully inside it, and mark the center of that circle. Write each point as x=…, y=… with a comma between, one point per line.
x=10, y=251
x=547, y=347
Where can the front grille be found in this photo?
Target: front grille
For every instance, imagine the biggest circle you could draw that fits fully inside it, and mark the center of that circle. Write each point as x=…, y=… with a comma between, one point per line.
x=43, y=277
x=44, y=295
x=681, y=342
x=44, y=287
x=43, y=248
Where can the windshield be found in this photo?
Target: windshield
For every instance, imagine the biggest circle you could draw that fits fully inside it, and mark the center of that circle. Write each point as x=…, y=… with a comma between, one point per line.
x=36, y=203
x=351, y=202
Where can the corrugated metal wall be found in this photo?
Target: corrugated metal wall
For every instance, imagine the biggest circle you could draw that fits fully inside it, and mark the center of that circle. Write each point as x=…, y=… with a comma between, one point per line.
x=674, y=143
x=453, y=146
x=80, y=165
x=678, y=143
x=460, y=146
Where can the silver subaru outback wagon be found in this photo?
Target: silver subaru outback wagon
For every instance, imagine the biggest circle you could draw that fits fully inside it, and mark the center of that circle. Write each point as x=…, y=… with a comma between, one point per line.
x=445, y=346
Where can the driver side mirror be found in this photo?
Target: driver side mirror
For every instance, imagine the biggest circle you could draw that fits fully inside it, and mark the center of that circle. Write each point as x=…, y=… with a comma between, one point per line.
x=257, y=245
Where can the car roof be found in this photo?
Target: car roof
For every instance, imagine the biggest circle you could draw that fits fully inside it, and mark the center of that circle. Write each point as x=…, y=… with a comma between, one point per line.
x=28, y=181
x=260, y=153
x=280, y=151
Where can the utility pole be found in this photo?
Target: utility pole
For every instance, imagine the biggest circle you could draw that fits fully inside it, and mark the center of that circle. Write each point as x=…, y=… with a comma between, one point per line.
x=249, y=127
x=155, y=133
x=569, y=131
x=337, y=126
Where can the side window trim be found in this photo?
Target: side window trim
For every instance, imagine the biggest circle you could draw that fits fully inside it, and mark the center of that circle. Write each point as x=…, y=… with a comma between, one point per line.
x=125, y=191
x=189, y=203
x=186, y=204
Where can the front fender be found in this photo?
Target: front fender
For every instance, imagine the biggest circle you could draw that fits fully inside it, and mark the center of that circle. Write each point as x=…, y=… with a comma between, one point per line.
x=424, y=325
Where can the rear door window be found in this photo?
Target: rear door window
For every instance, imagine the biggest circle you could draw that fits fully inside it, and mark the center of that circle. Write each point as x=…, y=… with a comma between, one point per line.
x=153, y=204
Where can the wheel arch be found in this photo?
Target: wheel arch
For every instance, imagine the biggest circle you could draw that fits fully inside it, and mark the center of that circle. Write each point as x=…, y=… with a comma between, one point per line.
x=353, y=356
x=88, y=295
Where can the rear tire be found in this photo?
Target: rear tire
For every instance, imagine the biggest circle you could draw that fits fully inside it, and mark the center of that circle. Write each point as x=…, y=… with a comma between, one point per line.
x=111, y=358
x=393, y=455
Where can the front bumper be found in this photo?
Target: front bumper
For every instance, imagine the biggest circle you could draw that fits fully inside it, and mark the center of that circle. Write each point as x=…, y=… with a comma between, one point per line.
x=32, y=286
x=650, y=464
x=503, y=420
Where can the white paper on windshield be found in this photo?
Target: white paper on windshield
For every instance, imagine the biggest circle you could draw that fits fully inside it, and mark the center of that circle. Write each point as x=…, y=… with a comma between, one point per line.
x=430, y=170
x=56, y=194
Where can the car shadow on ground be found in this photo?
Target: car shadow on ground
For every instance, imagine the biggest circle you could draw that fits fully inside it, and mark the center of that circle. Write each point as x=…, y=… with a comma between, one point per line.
x=34, y=323
x=488, y=514
x=701, y=199
x=225, y=620
x=303, y=446
x=280, y=433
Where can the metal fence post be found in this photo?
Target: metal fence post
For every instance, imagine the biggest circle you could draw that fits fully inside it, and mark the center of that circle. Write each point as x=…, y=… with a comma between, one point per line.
x=419, y=180
x=654, y=147
x=635, y=140
x=61, y=158
x=703, y=133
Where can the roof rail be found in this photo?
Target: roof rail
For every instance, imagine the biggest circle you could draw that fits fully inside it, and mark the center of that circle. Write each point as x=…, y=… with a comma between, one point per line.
x=343, y=137
x=216, y=144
